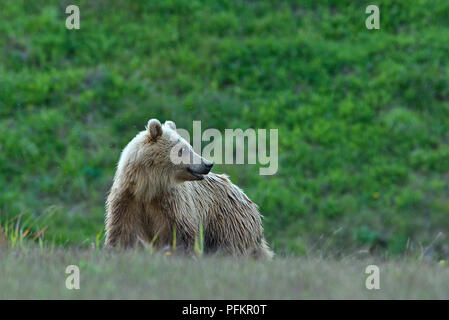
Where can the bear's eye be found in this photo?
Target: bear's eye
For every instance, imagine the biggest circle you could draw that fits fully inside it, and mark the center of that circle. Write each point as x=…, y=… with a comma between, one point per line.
x=180, y=152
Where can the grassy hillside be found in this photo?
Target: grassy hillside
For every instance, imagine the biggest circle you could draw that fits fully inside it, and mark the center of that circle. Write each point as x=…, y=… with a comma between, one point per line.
x=363, y=116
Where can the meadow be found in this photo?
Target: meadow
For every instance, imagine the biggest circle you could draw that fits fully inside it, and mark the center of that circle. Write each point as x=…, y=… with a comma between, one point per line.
x=33, y=273
x=362, y=118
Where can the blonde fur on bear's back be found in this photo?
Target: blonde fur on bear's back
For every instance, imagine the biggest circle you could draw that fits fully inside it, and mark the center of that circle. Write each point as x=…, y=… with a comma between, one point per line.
x=231, y=221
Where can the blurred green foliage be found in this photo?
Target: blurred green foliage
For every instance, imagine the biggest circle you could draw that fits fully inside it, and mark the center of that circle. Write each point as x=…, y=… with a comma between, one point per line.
x=363, y=115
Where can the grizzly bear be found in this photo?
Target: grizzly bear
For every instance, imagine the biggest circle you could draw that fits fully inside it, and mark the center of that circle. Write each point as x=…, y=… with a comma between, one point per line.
x=154, y=198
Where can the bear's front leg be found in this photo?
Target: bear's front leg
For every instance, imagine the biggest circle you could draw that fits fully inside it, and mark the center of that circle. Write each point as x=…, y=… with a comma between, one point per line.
x=123, y=225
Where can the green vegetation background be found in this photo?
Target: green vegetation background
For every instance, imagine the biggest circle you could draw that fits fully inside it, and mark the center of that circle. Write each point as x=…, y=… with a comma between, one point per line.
x=362, y=115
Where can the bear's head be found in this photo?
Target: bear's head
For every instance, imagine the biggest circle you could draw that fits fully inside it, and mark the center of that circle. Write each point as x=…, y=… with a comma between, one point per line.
x=160, y=154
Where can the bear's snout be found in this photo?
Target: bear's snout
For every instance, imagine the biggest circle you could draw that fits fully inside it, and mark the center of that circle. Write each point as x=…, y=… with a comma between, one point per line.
x=198, y=170
x=208, y=165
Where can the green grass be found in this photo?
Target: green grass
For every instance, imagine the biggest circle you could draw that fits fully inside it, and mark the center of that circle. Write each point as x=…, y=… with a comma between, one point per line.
x=362, y=115
x=30, y=273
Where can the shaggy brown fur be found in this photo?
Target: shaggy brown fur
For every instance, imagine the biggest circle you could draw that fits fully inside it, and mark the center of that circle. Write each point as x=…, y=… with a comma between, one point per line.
x=151, y=196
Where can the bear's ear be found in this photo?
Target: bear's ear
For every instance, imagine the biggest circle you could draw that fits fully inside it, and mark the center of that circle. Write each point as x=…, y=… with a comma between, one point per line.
x=155, y=129
x=170, y=124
